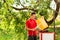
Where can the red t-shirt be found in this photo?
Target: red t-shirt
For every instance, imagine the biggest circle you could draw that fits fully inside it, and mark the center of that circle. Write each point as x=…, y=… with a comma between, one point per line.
x=31, y=24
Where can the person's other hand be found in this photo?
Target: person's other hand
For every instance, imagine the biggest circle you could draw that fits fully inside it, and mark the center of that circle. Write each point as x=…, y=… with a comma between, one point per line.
x=33, y=29
x=43, y=17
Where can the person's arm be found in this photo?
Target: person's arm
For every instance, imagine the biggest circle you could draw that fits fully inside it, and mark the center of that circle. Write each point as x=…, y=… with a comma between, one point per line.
x=28, y=28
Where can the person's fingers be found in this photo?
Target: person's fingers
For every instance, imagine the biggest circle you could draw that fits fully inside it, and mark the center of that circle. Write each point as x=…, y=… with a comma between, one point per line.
x=42, y=16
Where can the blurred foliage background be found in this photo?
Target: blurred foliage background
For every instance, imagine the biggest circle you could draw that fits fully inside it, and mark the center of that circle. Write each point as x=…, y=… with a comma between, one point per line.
x=12, y=22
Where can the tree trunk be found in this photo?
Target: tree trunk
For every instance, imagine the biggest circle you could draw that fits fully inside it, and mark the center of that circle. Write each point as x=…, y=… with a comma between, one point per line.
x=55, y=13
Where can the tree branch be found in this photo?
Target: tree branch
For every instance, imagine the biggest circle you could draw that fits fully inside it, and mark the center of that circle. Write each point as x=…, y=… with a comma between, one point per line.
x=55, y=14
x=56, y=1
x=22, y=4
x=24, y=9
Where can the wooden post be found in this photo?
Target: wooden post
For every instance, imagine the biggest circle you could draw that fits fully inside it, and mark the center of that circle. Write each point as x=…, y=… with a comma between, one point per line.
x=56, y=12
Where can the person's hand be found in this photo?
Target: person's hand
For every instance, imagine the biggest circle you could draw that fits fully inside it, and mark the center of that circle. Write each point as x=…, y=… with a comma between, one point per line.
x=43, y=17
x=37, y=31
x=33, y=29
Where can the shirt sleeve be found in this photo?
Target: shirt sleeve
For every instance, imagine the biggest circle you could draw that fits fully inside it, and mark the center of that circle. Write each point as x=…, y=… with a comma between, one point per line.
x=27, y=23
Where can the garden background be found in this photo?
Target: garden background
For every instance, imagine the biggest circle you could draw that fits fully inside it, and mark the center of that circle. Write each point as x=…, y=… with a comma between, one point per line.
x=14, y=13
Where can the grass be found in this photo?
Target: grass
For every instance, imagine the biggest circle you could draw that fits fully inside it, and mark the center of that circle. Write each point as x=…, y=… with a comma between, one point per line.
x=16, y=36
